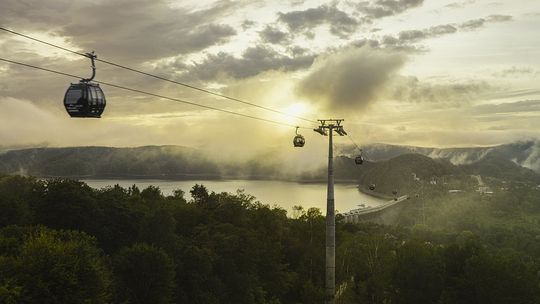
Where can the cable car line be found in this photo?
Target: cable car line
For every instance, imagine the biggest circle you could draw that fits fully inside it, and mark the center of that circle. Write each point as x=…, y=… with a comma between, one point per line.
x=154, y=95
x=41, y=41
x=161, y=78
x=354, y=143
x=205, y=91
x=359, y=159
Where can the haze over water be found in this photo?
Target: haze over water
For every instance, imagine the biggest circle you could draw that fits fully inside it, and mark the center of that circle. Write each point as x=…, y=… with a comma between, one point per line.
x=283, y=194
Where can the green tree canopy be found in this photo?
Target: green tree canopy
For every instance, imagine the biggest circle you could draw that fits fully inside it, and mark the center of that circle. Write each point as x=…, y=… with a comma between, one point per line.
x=48, y=266
x=144, y=274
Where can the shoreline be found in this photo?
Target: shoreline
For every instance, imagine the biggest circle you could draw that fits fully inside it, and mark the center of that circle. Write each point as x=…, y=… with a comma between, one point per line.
x=212, y=177
x=195, y=177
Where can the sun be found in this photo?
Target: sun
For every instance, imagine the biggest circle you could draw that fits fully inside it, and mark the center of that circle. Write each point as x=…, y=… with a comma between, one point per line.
x=297, y=109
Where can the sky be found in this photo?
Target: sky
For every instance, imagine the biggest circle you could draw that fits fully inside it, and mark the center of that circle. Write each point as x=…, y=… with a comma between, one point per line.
x=437, y=73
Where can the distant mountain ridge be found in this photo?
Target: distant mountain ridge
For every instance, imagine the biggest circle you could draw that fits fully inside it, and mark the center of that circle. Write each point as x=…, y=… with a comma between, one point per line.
x=387, y=165
x=525, y=153
x=108, y=162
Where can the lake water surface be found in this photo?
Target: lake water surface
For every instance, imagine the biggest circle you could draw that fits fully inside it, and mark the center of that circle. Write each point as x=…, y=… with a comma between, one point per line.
x=283, y=194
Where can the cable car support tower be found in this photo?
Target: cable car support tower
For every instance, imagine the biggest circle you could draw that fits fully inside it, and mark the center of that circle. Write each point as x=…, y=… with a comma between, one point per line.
x=327, y=128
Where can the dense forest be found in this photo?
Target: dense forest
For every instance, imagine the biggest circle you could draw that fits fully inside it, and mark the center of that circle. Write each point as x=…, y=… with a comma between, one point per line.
x=64, y=242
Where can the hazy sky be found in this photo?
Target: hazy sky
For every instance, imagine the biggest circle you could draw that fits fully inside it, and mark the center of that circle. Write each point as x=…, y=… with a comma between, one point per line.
x=418, y=72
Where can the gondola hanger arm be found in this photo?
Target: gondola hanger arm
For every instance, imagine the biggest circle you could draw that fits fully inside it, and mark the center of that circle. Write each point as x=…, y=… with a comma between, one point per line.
x=92, y=58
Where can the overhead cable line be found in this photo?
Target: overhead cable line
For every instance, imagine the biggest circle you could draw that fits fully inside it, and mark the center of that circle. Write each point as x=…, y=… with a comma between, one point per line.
x=160, y=77
x=154, y=94
x=359, y=158
x=354, y=143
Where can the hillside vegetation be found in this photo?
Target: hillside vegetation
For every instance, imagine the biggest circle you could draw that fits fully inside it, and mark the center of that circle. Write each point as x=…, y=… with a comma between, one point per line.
x=64, y=242
x=524, y=153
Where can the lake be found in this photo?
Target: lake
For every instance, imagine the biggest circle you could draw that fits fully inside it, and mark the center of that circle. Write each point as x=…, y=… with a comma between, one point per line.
x=281, y=193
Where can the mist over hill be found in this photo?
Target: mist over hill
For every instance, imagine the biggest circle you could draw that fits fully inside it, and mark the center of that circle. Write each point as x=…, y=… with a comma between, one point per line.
x=389, y=167
x=525, y=153
x=107, y=162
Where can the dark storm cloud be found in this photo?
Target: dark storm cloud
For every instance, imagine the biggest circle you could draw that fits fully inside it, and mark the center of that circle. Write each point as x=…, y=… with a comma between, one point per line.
x=352, y=79
x=133, y=30
x=341, y=23
x=253, y=61
x=273, y=35
x=411, y=89
x=384, y=8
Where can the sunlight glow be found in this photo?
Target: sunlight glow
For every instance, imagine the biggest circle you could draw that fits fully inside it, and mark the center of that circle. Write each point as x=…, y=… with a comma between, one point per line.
x=297, y=109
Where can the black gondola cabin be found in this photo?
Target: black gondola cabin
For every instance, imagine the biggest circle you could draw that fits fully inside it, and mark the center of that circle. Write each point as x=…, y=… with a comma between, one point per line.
x=299, y=141
x=84, y=99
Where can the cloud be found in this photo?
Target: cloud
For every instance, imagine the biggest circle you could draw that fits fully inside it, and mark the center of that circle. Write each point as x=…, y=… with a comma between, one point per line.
x=384, y=8
x=45, y=88
x=517, y=72
x=405, y=38
x=502, y=94
x=434, y=31
x=351, y=80
x=202, y=46
x=460, y=4
x=133, y=30
x=273, y=35
x=341, y=24
x=478, y=23
x=246, y=24
x=472, y=24
x=411, y=89
x=253, y=61
x=523, y=106
x=499, y=18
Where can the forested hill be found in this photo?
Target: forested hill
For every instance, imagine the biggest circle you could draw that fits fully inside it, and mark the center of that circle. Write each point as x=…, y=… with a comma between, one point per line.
x=397, y=173
x=106, y=162
x=524, y=153
x=175, y=162
x=404, y=172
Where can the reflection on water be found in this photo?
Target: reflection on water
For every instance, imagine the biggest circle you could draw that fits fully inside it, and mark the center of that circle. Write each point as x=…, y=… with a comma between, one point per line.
x=283, y=194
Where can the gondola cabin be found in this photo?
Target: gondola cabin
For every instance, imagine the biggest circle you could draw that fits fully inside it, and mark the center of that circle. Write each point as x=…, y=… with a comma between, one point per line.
x=84, y=99
x=299, y=141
